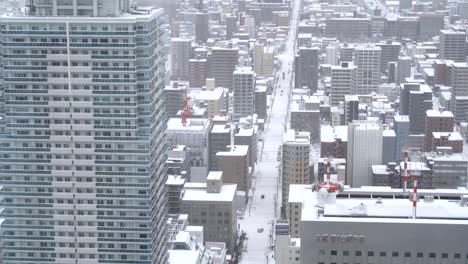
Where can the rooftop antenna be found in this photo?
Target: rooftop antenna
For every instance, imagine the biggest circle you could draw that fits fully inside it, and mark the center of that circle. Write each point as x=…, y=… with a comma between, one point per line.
x=30, y=8
x=186, y=112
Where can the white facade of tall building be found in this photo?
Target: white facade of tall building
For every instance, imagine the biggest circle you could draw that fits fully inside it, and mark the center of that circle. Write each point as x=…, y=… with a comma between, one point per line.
x=364, y=150
x=243, y=86
x=343, y=81
x=181, y=51
x=84, y=148
x=367, y=59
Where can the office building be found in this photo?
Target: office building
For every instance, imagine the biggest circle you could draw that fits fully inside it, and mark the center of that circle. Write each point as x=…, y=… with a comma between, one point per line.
x=362, y=155
x=452, y=45
x=220, y=138
x=351, y=228
x=388, y=146
x=346, y=52
x=295, y=153
x=198, y=72
x=261, y=97
x=287, y=248
x=390, y=52
x=91, y=138
x=213, y=100
x=415, y=100
x=246, y=134
x=392, y=73
x=213, y=206
x=223, y=63
x=368, y=61
x=437, y=121
x=181, y=53
x=343, y=82
x=305, y=116
x=195, y=135
x=202, y=30
x=459, y=100
x=448, y=170
x=404, y=68
x=351, y=108
x=451, y=140
x=333, y=142
x=348, y=28
x=263, y=59
x=306, y=68
x=332, y=55
x=174, y=97
x=430, y=25
x=231, y=25
x=243, y=87
x=234, y=162
x=401, y=125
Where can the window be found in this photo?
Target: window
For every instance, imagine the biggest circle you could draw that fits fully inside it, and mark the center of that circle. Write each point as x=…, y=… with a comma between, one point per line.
x=383, y=254
x=457, y=255
x=444, y=255
x=432, y=255
x=395, y=254
x=407, y=254
x=420, y=255
x=358, y=253
x=333, y=252
x=345, y=253
x=370, y=253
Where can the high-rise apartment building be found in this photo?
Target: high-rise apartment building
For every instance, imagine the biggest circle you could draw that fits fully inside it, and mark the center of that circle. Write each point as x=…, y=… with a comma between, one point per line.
x=181, y=53
x=243, y=87
x=198, y=72
x=368, y=61
x=84, y=148
x=223, y=63
x=343, y=81
x=452, y=45
x=307, y=68
x=231, y=25
x=294, y=161
x=362, y=155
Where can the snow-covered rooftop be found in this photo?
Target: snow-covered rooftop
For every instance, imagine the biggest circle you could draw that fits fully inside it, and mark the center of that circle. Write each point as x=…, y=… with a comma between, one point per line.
x=436, y=113
x=193, y=124
x=329, y=133
x=227, y=193
x=237, y=150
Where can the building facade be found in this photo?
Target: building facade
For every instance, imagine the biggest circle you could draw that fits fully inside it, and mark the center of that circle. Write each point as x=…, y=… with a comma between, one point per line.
x=85, y=124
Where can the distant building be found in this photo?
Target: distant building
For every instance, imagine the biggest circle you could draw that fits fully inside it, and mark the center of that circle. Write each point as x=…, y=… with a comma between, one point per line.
x=437, y=121
x=181, y=53
x=459, y=99
x=294, y=162
x=452, y=45
x=347, y=28
x=401, y=125
x=368, y=61
x=404, y=68
x=333, y=142
x=261, y=97
x=174, y=96
x=198, y=72
x=201, y=27
x=213, y=206
x=223, y=64
x=343, y=81
x=220, y=138
x=449, y=170
x=235, y=165
x=361, y=155
x=390, y=52
x=388, y=146
x=287, y=248
x=243, y=87
x=305, y=116
x=415, y=100
x=307, y=68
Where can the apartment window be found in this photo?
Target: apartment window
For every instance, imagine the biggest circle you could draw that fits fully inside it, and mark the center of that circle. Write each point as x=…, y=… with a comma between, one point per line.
x=432, y=255
x=444, y=255
x=395, y=254
x=420, y=255
x=333, y=252
x=383, y=254
x=358, y=253
x=370, y=253
x=407, y=254
x=457, y=255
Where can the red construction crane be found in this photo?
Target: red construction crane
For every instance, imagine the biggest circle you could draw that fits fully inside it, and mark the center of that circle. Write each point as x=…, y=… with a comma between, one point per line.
x=186, y=112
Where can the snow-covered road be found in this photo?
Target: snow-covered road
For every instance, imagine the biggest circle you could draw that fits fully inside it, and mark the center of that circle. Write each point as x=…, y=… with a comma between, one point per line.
x=261, y=213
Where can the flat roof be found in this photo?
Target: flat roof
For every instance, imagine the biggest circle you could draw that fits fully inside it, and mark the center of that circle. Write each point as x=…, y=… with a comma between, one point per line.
x=227, y=194
x=456, y=136
x=237, y=150
x=329, y=133
x=436, y=113
x=193, y=124
x=370, y=203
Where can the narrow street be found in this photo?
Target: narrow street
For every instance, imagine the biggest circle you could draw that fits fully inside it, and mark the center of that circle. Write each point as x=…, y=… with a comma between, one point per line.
x=261, y=213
